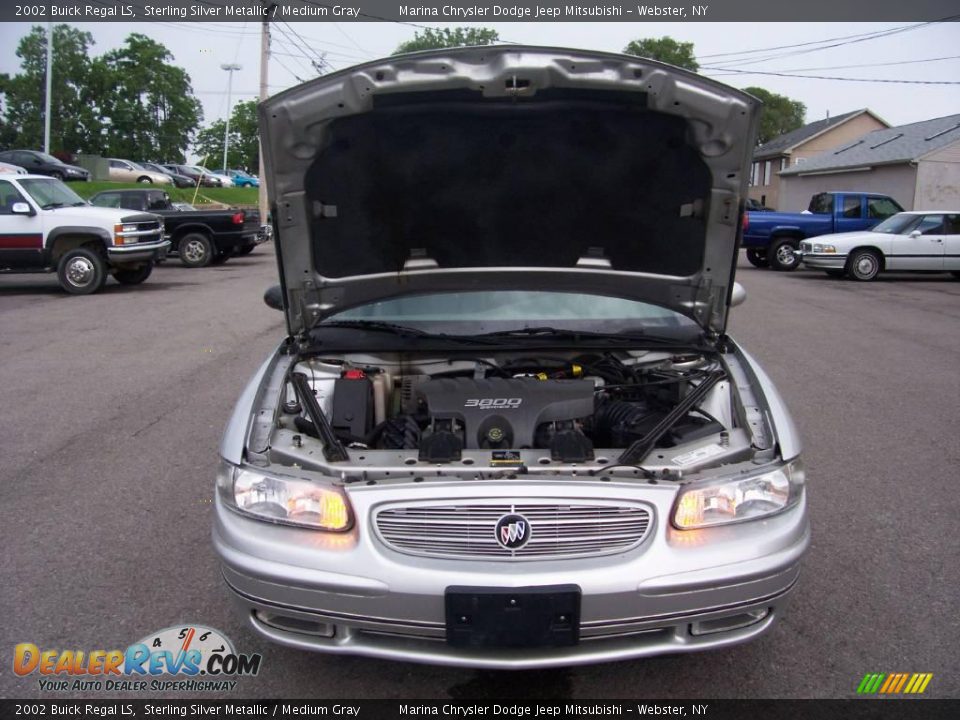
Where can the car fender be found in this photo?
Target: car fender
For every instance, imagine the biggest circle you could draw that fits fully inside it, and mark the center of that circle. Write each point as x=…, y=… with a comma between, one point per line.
x=787, y=230
x=190, y=227
x=234, y=439
x=66, y=230
x=784, y=428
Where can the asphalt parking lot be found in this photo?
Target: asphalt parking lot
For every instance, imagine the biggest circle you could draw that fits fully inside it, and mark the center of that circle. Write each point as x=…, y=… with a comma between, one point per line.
x=113, y=405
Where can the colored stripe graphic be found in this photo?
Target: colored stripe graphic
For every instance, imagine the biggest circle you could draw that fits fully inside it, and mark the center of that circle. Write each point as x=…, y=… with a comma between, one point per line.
x=16, y=241
x=894, y=683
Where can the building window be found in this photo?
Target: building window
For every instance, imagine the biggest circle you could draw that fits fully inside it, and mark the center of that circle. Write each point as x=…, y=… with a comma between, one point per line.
x=767, y=167
x=784, y=163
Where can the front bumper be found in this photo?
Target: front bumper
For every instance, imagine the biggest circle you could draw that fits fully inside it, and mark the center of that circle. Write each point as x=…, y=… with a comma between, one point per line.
x=822, y=261
x=679, y=591
x=138, y=252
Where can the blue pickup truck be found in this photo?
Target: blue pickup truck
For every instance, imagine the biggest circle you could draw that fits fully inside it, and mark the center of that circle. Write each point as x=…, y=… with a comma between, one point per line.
x=770, y=238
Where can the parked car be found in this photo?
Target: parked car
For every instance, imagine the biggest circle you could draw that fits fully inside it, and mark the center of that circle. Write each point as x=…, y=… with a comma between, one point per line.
x=195, y=174
x=180, y=181
x=200, y=237
x=46, y=227
x=923, y=240
x=771, y=238
x=241, y=178
x=129, y=171
x=39, y=163
x=216, y=179
x=15, y=169
x=224, y=180
x=511, y=432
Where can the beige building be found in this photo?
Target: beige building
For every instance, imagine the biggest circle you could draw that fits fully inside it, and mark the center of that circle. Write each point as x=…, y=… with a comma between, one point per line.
x=796, y=147
x=918, y=165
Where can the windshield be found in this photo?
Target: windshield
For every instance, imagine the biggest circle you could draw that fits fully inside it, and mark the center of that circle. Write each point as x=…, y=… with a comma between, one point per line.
x=477, y=313
x=51, y=193
x=896, y=225
x=49, y=158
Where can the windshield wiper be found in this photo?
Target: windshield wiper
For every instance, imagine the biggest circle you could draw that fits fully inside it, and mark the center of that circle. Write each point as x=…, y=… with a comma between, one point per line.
x=561, y=334
x=373, y=325
x=405, y=331
x=51, y=206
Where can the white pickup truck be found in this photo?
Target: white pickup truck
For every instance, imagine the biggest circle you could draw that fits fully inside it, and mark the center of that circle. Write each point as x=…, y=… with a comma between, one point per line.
x=46, y=227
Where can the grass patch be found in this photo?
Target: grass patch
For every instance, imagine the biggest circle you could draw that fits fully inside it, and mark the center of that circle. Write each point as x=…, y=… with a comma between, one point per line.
x=228, y=196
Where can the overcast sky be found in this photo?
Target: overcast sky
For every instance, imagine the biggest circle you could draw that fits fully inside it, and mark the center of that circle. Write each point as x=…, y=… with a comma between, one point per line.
x=201, y=48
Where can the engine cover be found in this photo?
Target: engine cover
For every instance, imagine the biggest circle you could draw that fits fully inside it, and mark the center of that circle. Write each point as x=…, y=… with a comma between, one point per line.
x=505, y=412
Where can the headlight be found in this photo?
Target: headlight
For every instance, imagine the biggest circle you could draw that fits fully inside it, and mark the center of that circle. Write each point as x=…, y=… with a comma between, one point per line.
x=284, y=500
x=824, y=249
x=735, y=500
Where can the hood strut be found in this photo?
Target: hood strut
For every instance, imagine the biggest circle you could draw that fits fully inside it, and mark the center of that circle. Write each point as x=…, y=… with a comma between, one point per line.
x=638, y=451
x=333, y=449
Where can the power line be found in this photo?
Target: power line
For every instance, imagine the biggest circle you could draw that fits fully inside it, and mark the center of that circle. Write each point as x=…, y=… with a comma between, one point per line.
x=321, y=59
x=732, y=71
x=796, y=45
x=883, y=33
x=350, y=38
x=298, y=58
x=863, y=65
x=284, y=66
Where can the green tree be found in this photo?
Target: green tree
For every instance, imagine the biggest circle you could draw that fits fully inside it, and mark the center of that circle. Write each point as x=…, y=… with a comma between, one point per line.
x=74, y=120
x=244, y=133
x=780, y=114
x=437, y=38
x=665, y=49
x=148, y=103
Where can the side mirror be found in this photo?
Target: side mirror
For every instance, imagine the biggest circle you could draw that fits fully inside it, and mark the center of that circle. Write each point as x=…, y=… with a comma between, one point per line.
x=738, y=295
x=273, y=297
x=914, y=233
x=21, y=208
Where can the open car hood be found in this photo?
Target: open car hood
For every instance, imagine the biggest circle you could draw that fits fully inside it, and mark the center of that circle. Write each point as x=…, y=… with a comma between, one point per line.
x=508, y=168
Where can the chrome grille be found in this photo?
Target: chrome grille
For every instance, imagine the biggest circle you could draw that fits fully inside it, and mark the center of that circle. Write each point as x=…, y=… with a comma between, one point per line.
x=144, y=231
x=557, y=529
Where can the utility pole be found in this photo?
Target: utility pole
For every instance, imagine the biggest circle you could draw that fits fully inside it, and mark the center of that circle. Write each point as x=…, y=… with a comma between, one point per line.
x=230, y=68
x=264, y=67
x=46, y=102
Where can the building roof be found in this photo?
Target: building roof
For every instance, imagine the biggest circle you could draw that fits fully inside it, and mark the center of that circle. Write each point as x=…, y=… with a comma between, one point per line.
x=788, y=141
x=905, y=143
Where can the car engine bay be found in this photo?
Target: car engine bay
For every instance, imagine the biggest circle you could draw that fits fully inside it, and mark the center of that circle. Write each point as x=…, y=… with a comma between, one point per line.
x=529, y=413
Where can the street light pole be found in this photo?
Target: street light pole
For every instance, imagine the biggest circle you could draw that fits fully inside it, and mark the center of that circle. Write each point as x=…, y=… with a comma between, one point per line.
x=46, y=101
x=229, y=67
x=264, y=69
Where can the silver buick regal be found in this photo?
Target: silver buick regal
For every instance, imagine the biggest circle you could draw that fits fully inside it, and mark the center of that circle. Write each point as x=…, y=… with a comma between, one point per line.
x=507, y=428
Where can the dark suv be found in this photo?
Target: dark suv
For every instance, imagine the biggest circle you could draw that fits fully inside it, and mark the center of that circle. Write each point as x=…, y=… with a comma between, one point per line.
x=39, y=163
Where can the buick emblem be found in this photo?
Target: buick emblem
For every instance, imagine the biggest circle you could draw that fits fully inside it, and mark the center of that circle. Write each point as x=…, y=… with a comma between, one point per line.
x=512, y=531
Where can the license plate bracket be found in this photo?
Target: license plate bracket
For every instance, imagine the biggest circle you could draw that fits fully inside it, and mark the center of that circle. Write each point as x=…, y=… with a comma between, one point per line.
x=524, y=617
